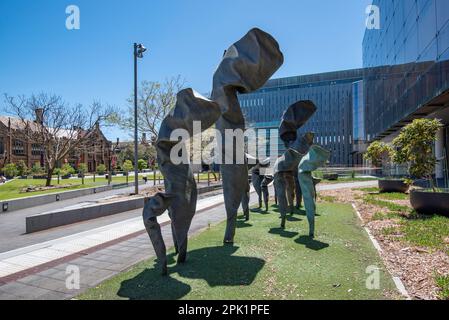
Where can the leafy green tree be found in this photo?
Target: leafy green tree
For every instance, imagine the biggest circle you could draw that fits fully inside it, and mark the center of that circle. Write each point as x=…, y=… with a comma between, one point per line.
x=101, y=169
x=377, y=152
x=10, y=170
x=82, y=169
x=142, y=164
x=127, y=167
x=414, y=146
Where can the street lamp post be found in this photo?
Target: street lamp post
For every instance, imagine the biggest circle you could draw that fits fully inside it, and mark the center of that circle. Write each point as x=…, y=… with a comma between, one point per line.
x=139, y=49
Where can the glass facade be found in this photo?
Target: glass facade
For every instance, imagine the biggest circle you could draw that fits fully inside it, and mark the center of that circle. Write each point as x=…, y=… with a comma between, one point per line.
x=405, y=76
x=406, y=64
x=332, y=123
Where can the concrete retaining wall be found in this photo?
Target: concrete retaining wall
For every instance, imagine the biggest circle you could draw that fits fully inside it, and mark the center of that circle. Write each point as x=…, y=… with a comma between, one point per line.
x=53, y=219
x=48, y=220
x=33, y=201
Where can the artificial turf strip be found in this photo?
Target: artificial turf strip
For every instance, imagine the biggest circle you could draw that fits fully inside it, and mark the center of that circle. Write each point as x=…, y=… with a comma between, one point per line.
x=265, y=263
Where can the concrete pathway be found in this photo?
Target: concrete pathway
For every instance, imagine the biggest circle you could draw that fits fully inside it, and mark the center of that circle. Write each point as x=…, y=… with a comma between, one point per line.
x=40, y=271
x=12, y=224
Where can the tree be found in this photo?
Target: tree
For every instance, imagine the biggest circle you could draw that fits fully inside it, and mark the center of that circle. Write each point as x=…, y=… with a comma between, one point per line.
x=101, y=169
x=377, y=152
x=60, y=129
x=145, y=152
x=127, y=167
x=82, y=169
x=155, y=100
x=414, y=146
x=142, y=164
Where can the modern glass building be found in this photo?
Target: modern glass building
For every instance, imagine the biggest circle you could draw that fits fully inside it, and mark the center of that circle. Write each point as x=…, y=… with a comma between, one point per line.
x=406, y=69
x=332, y=93
x=405, y=76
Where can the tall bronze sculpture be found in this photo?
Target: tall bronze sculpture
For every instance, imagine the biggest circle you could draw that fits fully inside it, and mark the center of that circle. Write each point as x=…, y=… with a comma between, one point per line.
x=246, y=66
x=315, y=158
x=267, y=180
x=297, y=146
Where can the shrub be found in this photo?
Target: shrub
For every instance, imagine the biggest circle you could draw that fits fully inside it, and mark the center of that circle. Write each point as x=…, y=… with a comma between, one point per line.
x=101, y=169
x=36, y=169
x=66, y=170
x=10, y=170
x=22, y=168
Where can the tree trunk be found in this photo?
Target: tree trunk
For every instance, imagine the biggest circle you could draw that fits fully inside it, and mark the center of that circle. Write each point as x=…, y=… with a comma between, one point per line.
x=49, y=177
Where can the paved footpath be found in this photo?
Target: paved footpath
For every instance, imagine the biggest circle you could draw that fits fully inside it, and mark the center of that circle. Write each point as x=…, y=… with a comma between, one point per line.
x=13, y=228
x=40, y=271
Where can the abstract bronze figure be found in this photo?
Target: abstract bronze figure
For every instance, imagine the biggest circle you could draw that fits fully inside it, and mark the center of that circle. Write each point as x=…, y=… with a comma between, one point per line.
x=267, y=180
x=253, y=163
x=257, y=178
x=297, y=146
x=153, y=208
x=178, y=177
x=315, y=158
x=246, y=66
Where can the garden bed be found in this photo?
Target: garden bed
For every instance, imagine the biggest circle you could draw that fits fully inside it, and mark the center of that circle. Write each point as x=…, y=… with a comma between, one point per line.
x=414, y=247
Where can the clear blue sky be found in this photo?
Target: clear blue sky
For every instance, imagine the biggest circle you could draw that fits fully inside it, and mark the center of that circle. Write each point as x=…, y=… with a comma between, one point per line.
x=185, y=37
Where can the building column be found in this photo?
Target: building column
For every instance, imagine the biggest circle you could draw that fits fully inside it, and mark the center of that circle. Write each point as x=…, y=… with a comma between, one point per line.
x=439, y=154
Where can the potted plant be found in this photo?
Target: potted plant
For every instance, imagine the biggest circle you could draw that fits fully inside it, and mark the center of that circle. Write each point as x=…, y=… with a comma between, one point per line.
x=378, y=153
x=414, y=146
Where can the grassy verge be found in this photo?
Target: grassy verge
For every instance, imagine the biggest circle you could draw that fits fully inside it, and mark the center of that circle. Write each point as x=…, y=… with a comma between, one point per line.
x=265, y=263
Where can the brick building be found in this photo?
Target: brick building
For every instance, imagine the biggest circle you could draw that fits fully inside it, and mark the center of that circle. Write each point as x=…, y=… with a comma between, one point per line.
x=14, y=146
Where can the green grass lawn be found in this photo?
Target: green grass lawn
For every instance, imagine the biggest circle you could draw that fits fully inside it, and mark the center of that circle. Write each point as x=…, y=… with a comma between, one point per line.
x=265, y=263
x=347, y=180
x=11, y=190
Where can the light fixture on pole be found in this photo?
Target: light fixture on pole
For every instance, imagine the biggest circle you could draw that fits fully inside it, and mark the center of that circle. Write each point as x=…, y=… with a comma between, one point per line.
x=139, y=49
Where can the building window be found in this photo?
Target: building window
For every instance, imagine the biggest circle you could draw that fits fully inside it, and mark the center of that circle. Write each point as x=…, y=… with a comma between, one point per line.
x=18, y=148
x=2, y=148
x=36, y=149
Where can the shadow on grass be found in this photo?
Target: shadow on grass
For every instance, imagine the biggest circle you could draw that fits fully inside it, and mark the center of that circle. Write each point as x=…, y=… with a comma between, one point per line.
x=243, y=224
x=216, y=265
x=283, y=233
x=311, y=243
